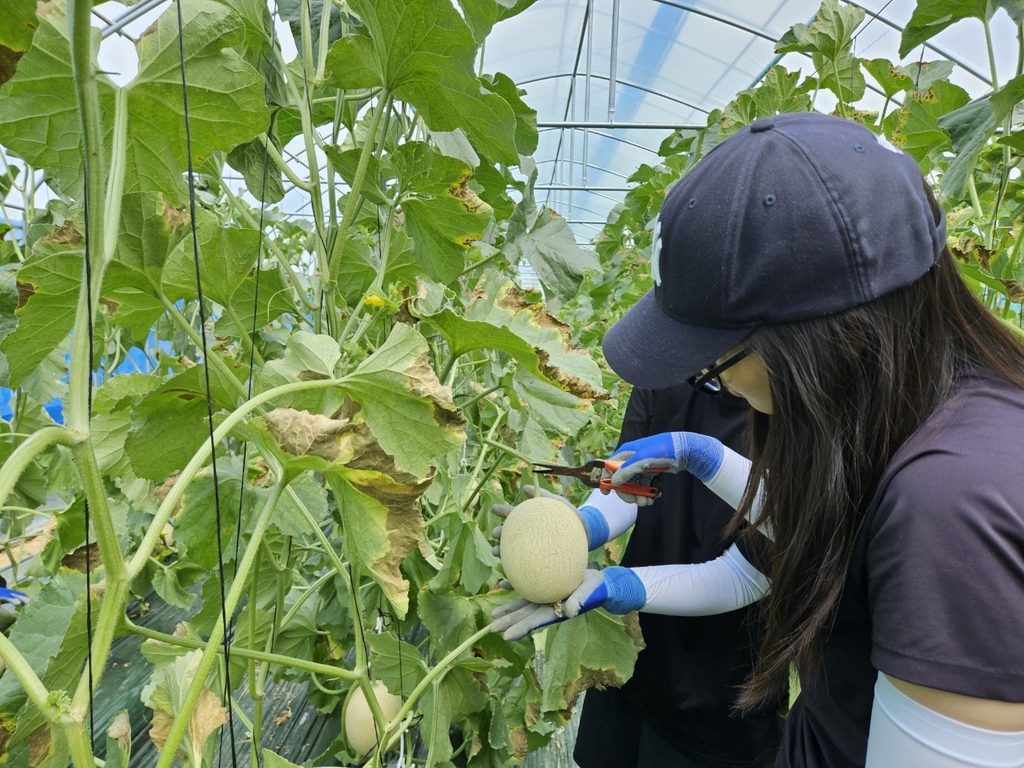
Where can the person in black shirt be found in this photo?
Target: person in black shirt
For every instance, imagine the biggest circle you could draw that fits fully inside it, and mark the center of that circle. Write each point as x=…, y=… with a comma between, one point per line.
x=677, y=709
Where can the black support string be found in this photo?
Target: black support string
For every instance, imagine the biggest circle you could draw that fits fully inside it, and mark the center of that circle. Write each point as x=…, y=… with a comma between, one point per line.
x=206, y=372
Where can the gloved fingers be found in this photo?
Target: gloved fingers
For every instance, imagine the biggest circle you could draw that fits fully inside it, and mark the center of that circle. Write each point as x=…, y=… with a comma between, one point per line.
x=573, y=604
x=526, y=620
x=501, y=510
x=642, y=501
x=496, y=532
x=512, y=607
x=13, y=596
x=496, y=551
x=631, y=472
x=505, y=584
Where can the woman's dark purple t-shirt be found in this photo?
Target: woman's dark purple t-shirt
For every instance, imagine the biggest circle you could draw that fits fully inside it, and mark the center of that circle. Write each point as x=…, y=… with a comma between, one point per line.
x=935, y=591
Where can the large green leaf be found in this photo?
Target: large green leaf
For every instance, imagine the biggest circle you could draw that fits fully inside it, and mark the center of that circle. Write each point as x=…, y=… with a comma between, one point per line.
x=526, y=116
x=422, y=52
x=50, y=633
x=170, y=423
x=38, y=114
x=407, y=408
x=226, y=101
x=970, y=128
x=48, y=286
x=195, y=527
x=226, y=256
x=829, y=41
x=932, y=16
x=498, y=302
x=442, y=214
x=888, y=76
x=1006, y=98
x=917, y=129
x=595, y=649
x=225, y=96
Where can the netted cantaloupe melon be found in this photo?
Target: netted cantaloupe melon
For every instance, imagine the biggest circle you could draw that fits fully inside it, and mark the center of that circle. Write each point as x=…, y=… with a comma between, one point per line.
x=544, y=550
x=359, y=726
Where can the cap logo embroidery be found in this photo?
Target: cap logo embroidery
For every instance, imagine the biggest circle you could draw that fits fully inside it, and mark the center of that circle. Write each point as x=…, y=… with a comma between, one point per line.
x=885, y=143
x=656, y=253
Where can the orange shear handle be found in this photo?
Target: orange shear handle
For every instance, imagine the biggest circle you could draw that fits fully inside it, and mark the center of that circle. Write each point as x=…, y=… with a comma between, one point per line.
x=636, y=489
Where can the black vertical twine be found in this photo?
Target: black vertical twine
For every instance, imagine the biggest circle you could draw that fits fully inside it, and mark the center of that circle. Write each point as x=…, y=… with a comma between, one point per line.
x=88, y=417
x=206, y=373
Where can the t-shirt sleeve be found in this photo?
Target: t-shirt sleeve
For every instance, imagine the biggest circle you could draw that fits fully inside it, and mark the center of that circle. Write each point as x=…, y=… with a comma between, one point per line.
x=945, y=574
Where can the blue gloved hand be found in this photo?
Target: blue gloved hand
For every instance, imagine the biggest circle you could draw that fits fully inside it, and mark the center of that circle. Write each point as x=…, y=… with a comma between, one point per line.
x=673, y=451
x=617, y=590
x=13, y=596
x=594, y=523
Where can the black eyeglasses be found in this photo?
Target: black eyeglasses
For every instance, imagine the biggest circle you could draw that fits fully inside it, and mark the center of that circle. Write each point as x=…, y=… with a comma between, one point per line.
x=709, y=380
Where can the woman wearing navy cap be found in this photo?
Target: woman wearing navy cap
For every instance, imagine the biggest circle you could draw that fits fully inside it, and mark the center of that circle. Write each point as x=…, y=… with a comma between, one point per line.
x=803, y=266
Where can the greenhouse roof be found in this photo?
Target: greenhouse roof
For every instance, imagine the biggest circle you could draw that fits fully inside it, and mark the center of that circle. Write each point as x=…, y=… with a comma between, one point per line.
x=671, y=63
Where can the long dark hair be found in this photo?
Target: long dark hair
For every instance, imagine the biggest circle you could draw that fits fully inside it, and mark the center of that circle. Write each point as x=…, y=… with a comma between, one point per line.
x=847, y=391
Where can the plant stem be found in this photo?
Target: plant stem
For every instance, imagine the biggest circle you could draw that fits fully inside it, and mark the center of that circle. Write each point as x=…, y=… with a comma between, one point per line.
x=25, y=454
x=96, y=496
x=383, y=104
x=991, y=55
x=244, y=653
x=111, y=612
x=972, y=190
x=436, y=672
x=316, y=194
x=479, y=397
x=184, y=714
x=78, y=744
x=279, y=161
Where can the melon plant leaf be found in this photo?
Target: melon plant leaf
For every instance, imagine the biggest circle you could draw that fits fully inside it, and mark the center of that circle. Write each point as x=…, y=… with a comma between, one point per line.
x=48, y=287
x=119, y=741
x=442, y=214
x=449, y=618
x=1006, y=98
x=496, y=301
x=261, y=174
x=396, y=663
x=226, y=97
x=932, y=16
x=169, y=424
x=409, y=410
x=829, y=41
x=195, y=527
x=165, y=694
x=39, y=122
x=526, y=117
x=550, y=247
x=923, y=74
x=50, y=633
x=275, y=299
x=346, y=162
x=307, y=357
x=255, y=47
x=390, y=525
x=889, y=77
x=467, y=335
x=356, y=269
x=20, y=24
x=557, y=411
x=970, y=128
x=273, y=760
x=595, y=649
x=917, y=129
x=480, y=15
x=226, y=255
x=422, y=52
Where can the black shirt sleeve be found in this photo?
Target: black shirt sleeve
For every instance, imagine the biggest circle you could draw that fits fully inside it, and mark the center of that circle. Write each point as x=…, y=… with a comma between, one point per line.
x=945, y=567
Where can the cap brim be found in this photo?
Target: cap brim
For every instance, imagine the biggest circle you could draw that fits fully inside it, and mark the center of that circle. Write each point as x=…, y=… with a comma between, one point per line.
x=654, y=351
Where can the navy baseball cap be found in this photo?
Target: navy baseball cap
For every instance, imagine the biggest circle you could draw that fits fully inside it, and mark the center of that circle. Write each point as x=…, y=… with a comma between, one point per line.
x=794, y=217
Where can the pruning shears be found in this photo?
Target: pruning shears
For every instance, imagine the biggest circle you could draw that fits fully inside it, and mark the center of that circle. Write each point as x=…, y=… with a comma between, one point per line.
x=590, y=474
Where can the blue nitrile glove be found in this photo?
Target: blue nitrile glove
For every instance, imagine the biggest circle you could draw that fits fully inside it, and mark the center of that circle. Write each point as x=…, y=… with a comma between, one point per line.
x=594, y=523
x=13, y=596
x=616, y=589
x=674, y=451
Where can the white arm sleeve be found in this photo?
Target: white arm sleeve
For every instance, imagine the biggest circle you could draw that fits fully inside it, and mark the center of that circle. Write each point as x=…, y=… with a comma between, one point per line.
x=724, y=584
x=619, y=514
x=730, y=480
x=907, y=733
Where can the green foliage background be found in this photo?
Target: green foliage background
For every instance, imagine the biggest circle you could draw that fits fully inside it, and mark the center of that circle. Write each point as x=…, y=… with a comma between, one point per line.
x=400, y=381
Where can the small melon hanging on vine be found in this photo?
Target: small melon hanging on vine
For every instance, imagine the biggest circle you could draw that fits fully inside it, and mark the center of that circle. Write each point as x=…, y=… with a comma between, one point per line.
x=360, y=730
